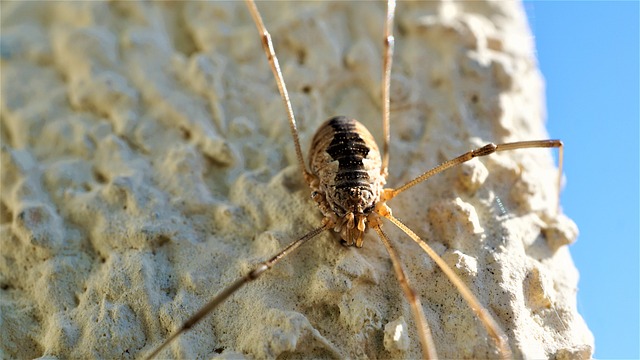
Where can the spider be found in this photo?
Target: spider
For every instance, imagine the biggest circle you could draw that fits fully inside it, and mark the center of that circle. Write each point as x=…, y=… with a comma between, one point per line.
x=147, y=163
x=347, y=173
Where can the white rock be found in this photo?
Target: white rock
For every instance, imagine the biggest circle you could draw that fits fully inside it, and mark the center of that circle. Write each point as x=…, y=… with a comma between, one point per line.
x=181, y=175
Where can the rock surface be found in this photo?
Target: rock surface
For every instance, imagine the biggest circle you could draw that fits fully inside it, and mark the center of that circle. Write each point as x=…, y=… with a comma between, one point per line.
x=147, y=162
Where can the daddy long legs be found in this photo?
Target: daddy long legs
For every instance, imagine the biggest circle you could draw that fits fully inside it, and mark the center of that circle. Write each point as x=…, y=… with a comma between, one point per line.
x=346, y=174
x=147, y=162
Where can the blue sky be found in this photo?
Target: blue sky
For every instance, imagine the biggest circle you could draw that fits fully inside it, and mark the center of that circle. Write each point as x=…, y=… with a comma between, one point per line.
x=588, y=54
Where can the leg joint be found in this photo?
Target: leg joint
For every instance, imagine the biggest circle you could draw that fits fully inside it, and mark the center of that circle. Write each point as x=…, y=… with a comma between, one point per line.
x=485, y=150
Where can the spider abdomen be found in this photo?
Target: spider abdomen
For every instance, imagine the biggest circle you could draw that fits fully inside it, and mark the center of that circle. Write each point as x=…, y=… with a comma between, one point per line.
x=346, y=161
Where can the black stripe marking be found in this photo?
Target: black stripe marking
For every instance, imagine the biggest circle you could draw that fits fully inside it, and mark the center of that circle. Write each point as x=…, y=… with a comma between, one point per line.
x=348, y=148
x=353, y=175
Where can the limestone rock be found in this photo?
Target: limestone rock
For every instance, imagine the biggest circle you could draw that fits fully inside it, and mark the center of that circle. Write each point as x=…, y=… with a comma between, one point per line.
x=147, y=162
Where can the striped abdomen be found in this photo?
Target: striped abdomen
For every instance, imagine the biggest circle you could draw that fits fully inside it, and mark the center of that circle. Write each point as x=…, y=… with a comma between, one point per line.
x=346, y=160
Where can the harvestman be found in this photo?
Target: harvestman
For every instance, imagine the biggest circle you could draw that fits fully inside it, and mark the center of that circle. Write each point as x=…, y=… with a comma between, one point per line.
x=347, y=177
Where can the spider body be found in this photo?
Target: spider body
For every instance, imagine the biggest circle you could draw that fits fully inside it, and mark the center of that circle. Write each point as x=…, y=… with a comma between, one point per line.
x=347, y=178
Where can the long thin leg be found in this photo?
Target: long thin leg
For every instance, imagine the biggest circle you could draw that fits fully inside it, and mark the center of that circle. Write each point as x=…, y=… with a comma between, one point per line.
x=483, y=151
x=229, y=290
x=386, y=83
x=267, y=45
x=487, y=320
x=426, y=341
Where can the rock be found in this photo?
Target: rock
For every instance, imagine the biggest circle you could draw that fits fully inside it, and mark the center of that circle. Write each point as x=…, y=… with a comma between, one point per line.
x=153, y=165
